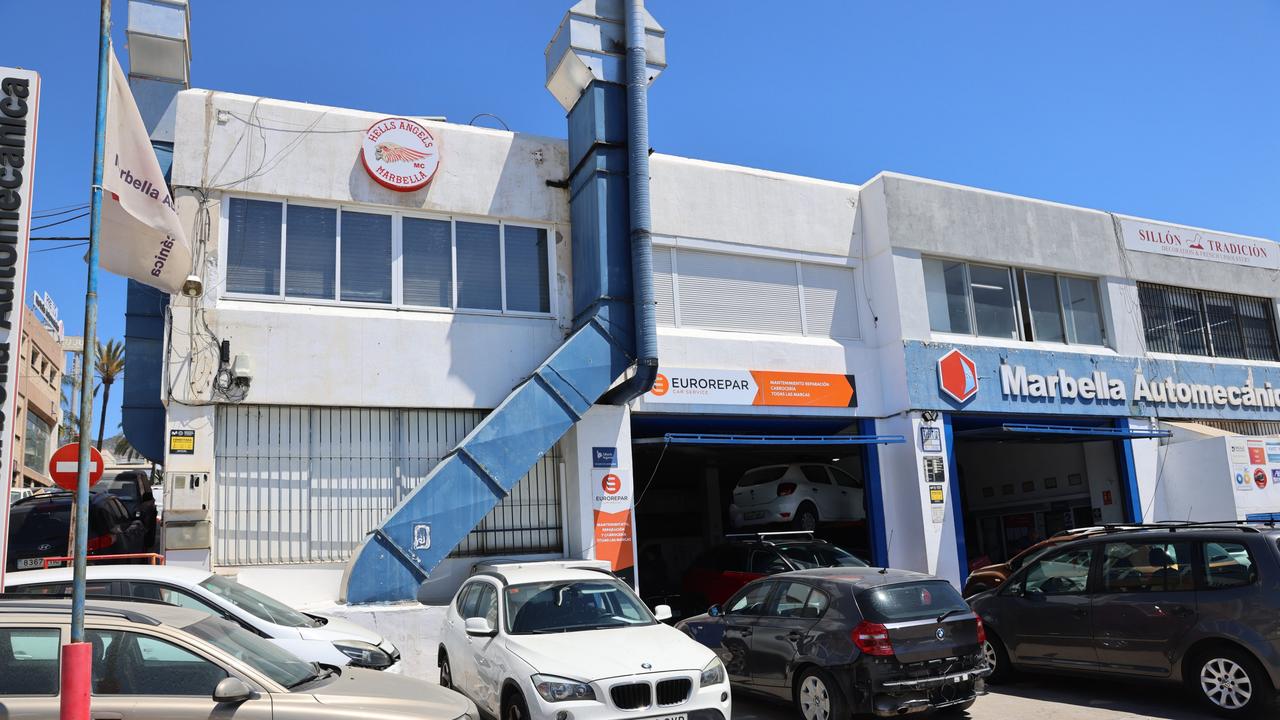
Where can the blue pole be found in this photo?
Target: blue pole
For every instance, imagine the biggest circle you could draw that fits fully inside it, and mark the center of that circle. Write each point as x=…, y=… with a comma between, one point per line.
x=90, y=328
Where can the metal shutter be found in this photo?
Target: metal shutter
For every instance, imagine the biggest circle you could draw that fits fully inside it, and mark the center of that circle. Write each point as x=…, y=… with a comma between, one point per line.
x=829, y=306
x=663, y=286
x=736, y=292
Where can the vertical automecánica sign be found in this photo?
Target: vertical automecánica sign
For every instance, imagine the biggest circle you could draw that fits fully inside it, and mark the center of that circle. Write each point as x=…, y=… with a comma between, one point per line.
x=19, y=106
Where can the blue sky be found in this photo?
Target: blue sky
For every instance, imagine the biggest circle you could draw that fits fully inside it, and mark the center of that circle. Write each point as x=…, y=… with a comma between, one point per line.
x=1162, y=109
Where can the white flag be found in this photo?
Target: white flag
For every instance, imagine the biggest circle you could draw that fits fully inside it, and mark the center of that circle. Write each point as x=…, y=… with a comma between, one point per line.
x=141, y=236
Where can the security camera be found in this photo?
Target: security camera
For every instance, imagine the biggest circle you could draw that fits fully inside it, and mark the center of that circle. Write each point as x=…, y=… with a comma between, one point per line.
x=242, y=370
x=193, y=286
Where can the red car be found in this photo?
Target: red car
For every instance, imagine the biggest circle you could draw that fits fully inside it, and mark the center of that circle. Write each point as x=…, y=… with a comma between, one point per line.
x=724, y=569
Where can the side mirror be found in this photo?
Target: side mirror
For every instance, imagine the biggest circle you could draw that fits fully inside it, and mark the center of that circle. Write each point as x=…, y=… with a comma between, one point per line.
x=231, y=690
x=715, y=611
x=663, y=612
x=479, y=627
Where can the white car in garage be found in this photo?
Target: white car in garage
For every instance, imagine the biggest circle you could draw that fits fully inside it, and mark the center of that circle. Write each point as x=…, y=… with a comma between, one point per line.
x=565, y=640
x=797, y=494
x=316, y=638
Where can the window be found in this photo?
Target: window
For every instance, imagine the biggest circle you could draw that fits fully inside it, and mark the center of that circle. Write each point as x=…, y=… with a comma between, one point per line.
x=35, y=446
x=1147, y=567
x=844, y=479
x=293, y=251
x=1196, y=322
x=465, y=597
x=1000, y=302
x=745, y=293
x=797, y=600
x=816, y=474
x=484, y=604
x=910, y=601
x=366, y=257
x=1228, y=565
x=768, y=562
x=479, y=270
x=172, y=596
x=526, y=269
x=1062, y=573
x=311, y=241
x=750, y=602
x=129, y=663
x=428, y=262
x=253, y=246
x=29, y=660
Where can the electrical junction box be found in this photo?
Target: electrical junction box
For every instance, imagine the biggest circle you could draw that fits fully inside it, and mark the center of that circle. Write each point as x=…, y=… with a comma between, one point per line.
x=186, y=497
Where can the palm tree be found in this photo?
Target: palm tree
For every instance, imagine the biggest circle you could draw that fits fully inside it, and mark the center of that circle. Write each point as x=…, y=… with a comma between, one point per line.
x=110, y=365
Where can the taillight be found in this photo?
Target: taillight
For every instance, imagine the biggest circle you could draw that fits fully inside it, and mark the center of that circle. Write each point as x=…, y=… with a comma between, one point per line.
x=100, y=542
x=786, y=489
x=982, y=633
x=872, y=639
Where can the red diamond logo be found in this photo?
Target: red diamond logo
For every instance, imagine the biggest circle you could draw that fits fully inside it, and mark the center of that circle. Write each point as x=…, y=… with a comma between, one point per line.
x=958, y=376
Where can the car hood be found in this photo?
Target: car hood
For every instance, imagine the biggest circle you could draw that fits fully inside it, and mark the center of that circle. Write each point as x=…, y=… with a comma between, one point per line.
x=390, y=694
x=598, y=654
x=339, y=629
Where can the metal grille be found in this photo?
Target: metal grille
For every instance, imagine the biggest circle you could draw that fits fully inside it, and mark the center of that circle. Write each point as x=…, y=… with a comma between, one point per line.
x=1245, y=427
x=632, y=696
x=673, y=692
x=1194, y=322
x=306, y=484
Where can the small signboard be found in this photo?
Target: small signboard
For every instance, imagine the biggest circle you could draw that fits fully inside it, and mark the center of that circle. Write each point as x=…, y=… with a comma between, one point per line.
x=604, y=457
x=182, y=442
x=64, y=466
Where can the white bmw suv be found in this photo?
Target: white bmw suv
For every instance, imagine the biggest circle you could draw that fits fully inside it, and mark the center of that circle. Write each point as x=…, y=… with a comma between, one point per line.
x=566, y=640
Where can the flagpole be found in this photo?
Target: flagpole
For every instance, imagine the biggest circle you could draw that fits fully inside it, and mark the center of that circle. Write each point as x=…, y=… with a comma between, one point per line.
x=77, y=657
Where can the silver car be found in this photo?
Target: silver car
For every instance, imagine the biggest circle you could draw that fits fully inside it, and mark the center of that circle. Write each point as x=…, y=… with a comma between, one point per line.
x=153, y=661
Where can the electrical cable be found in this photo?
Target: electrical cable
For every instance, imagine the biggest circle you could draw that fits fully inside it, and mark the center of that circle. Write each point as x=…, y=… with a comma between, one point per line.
x=60, y=247
x=60, y=222
x=60, y=238
x=50, y=213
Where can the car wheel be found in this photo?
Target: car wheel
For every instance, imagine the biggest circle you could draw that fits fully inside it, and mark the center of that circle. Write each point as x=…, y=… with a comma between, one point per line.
x=806, y=518
x=446, y=671
x=818, y=697
x=515, y=708
x=1231, y=683
x=998, y=658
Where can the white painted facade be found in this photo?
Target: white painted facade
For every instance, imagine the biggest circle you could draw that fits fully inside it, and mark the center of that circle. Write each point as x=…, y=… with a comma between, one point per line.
x=308, y=353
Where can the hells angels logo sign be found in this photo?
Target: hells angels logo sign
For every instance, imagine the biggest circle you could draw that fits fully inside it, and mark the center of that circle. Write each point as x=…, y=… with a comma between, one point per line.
x=400, y=154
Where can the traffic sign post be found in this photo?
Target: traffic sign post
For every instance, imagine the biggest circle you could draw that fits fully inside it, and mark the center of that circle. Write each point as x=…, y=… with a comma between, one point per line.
x=64, y=466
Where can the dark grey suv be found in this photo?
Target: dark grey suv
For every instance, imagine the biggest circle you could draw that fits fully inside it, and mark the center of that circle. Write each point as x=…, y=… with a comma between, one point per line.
x=1193, y=603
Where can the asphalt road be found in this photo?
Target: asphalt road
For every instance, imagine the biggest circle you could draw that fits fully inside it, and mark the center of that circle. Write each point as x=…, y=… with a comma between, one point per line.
x=1042, y=698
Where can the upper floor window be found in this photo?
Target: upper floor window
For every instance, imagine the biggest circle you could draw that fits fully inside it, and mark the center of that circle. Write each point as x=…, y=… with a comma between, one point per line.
x=1002, y=302
x=1198, y=322
x=295, y=251
x=720, y=291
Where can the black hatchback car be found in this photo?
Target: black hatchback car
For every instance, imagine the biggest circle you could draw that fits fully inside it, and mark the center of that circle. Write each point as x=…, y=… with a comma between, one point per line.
x=1192, y=603
x=849, y=640
x=39, y=526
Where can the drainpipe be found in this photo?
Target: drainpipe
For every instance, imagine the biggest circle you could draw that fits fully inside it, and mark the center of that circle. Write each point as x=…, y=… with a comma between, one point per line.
x=646, y=368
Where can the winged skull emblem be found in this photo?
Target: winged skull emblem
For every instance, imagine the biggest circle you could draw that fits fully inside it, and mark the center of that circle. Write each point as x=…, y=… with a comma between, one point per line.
x=391, y=152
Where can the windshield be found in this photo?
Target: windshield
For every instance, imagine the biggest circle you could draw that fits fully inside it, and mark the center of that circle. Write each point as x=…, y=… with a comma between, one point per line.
x=255, y=603
x=262, y=655
x=760, y=476
x=813, y=555
x=570, y=606
x=127, y=492
x=911, y=601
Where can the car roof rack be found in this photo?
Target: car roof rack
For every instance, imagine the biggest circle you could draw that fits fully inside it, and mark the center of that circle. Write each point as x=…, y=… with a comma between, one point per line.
x=1176, y=525
x=11, y=601
x=769, y=537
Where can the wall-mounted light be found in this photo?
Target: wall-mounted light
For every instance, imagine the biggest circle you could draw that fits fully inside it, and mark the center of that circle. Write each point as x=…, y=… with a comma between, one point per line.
x=193, y=286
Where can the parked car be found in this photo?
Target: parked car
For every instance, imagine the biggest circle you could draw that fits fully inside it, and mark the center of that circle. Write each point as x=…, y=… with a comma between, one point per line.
x=990, y=576
x=842, y=641
x=724, y=569
x=312, y=637
x=152, y=660
x=39, y=526
x=133, y=488
x=568, y=639
x=16, y=494
x=799, y=494
x=1191, y=603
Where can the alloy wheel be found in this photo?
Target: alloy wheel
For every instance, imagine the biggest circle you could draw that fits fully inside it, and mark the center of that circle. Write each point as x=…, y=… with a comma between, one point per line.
x=1226, y=683
x=989, y=652
x=815, y=701
x=808, y=521
x=446, y=674
x=513, y=711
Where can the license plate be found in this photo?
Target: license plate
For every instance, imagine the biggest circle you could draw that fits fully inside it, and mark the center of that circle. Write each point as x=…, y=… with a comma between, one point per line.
x=681, y=716
x=754, y=515
x=26, y=563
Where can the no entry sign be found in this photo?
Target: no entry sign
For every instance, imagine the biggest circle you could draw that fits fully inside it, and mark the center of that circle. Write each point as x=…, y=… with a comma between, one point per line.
x=64, y=466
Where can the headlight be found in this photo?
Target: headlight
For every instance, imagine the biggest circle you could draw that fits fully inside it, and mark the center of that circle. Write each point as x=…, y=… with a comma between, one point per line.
x=363, y=654
x=712, y=674
x=558, y=689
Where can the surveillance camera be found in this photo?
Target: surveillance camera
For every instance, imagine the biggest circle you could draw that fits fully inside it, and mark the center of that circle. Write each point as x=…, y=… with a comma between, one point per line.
x=193, y=286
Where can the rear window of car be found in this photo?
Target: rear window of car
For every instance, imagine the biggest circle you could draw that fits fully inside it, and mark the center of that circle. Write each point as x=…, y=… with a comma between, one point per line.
x=910, y=601
x=760, y=476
